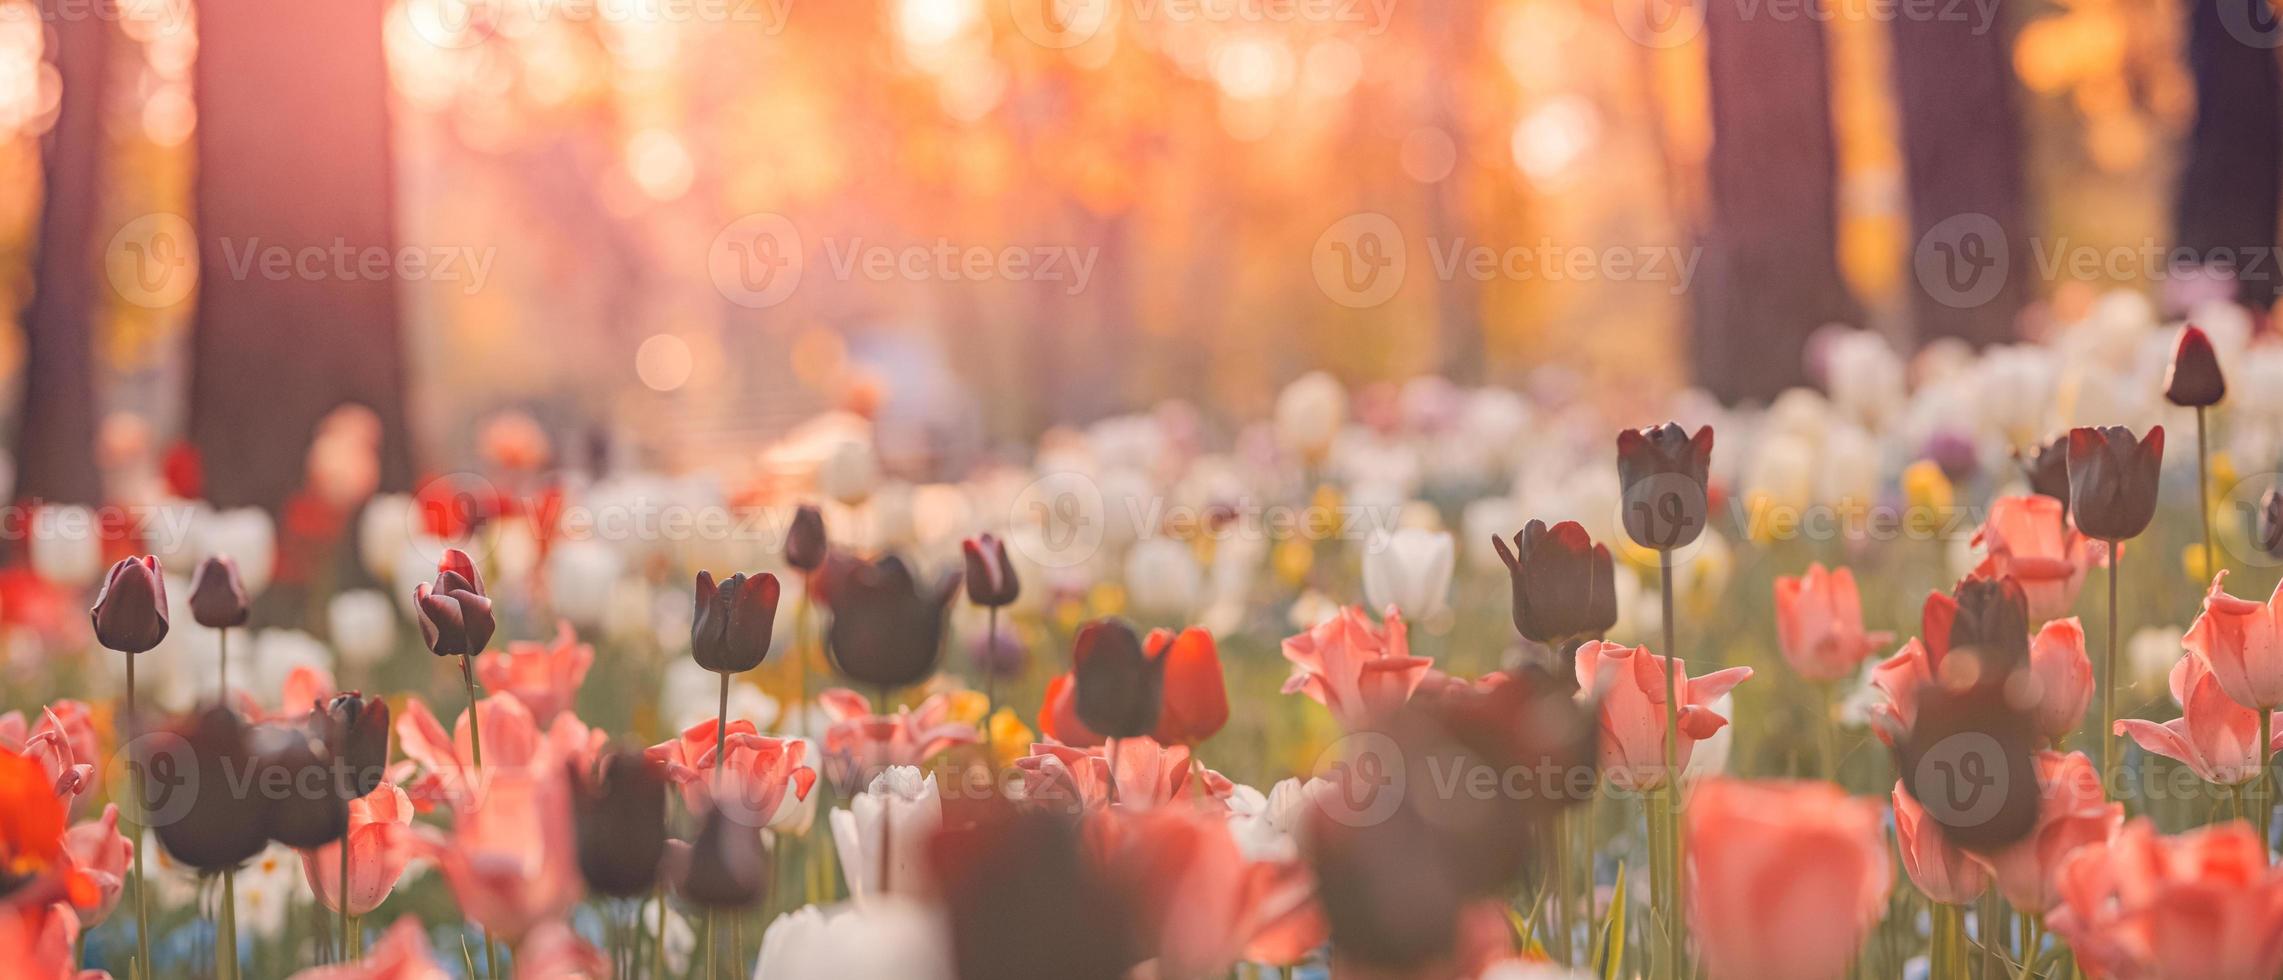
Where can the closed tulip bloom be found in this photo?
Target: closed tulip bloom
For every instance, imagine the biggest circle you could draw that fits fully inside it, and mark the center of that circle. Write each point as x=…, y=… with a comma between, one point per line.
x=355, y=729
x=725, y=868
x=130, y=612
x=2062, y=679
x=217, y=597
x=2029, y=540
x=2071, y=813
x=2046, y=467
x=991, y=580
x=1196, y=695
x=734, y=621
x=1788, y=878
x=1945, y=874
x=1410, y=570
x=380, y=848
x=1666, y=476
x=805, y=542
x=2194, y=380
x=1119, y=689
x=1564, y=585
x=2203, y=905
x=1819, y=624
x=2267, y=524
x=619, y=815
x=2241, y=642
x=1629, y=688
x=206, y=754
x=300, y=805
x=1986, y=621
x=2112, y=480
x=2214, y=736
x=886, y=631
x=456, y=572
x=1968, y=760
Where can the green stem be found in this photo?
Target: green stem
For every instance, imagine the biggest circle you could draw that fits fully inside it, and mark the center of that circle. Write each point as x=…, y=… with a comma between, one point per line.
x=2204, y=496
x=223, y=642
x=801, y=656
x=2109, y=679
x=1558, y=897
x=658, y=948
x=226, y=930
x=2263, y=804
x=1827, y=730
x=341, y=898
x=990, y=672
x=1986, y=924
x=475, y=718
x=133, y=727
x=2031, y=938
x=1676, y=933
x=721, y=734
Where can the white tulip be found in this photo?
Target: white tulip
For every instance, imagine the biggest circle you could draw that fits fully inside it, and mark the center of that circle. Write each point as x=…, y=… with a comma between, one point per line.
x=848, y=472
x=1410, y=570
x=363, y=626
x=382, y=530
x=1864, y=375
x=880, y=939
x=247, y=536
x=882, y=835
x=1162, y=578
x=1309, y=413
x=580, y=577
x=67, y=546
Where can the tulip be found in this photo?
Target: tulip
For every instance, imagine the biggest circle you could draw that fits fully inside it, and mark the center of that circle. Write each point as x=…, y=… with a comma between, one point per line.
x=859, y=744
x=39, y=941
x=2193, y=380
x=1631, y=684
x=1118, y=688
x=1196, y=696
x=379, y=845
x=886, y=632
x=1987, y=620
x=880, y=939
x=2214, y=736
x=991, y=580
x=1564, y=585
x=2200, y=906
x=1146, y=775
x=544, y=676
x=506, y=735
x=1789, y=878
x=2071, y=813
x=1357, y=669
x=1390, y=900
x=307, y=811
x=354, y=729
x=1967, y=759
x=734, y=622
x=217, y=597
x=2029, y=540
x=2241, y=642
x=2112, y=480
x=101, y=854
x=512, y=859
x=1819, y=624
x=402, y=954
x=2046, y=467
x=1945, y=874
x=554, y=949
x=805, y=542
x=363, y=626
x=1409, y=570
x=456, y=620
x=620, y=820
x=130, y=612
x=1523, y=725
x=38, y=862
x=725, y=867
x=1309, y=414
x=753, y=781
x=1021, y=899
x=883, y=833
x=1665, y=473
x=2063, y=679
x=198, y=820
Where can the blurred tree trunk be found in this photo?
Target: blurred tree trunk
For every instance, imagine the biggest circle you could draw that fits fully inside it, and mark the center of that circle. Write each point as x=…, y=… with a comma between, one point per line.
x=1771, y=245
x=1961, y=143
x=55, y=445
x=293, y=160
x=2227, y=198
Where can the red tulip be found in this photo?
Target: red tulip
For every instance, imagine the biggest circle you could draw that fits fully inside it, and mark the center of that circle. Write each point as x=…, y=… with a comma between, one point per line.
x=1944, y=873
x=2204, y=905
x=2241, y=641
x=1195, y=693
x=1899, y=678
x=2194, y=379
x=1819, y=624
x=1356, y=668
x=39, y=941
x=512, y=740
x=1789, y=877
x=1630, y=682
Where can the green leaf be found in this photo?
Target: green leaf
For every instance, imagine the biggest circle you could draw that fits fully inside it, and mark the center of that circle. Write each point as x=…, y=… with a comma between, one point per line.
x=1609, y=955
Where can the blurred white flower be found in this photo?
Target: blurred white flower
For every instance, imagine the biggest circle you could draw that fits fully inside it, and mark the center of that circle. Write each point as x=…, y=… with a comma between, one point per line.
x=1851, y=469
x=692, y=694
x=1309, y=413
x=879, y=939
x=1710, y=758
x=848, y=473
x=581, y=575
x=1410, y=570
x=882, y=835
x=1864, y=376
x=247, y=536
x=1483, y=519
x=362, y=623
x=1162, y=578
x=66, y=545
x=2151, y=651
x=266, y=888
x=382, y=531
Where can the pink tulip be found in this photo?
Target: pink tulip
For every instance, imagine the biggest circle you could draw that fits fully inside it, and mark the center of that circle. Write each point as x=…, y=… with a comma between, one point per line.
x=554, y=952
x=512, y=740
x=2204, y=905
x=1629, y=683
x=2214, y=736
x=37, y=942
x=380, y=845
x=1819, y=624
x=1944, y=873
x=101, y=854
x=305, y=688
x=401, y=954
x=860, y=745
x=63, y=743
x=2063, y=678
x=2028, y=540
x=510, y=856
x=1356, y=668
x=1148, y=775
x=545, y=677
x=2071, y=813
x=1789, y=878
x=761, y=773
x=2242, y=642
x=1899, y=678
x=1201, y=905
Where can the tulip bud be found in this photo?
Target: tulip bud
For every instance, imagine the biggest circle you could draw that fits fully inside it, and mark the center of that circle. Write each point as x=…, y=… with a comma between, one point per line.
x=130, y=613
x=2112, y=480
x=2268, y=523
x=2194, y=379
x=1120, y=689
x=725, y=866
x=620, y=815
x=991, y=578
x=206, y=756
x=805, y=542
x=1564, y=585
x=454, y=624
x=217, y=597
x=1196, y=694
x=886, y=633
x=734, y=622
x=301, y=806
x=1986, y=622
x=1666, y=476
x=354, y=729
x=2046, y=467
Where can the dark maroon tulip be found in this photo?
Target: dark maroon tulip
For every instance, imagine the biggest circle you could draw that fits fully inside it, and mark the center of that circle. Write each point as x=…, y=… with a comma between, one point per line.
x=217, y=596
x=620, y=815
x=454, y=624
x=1388, y=894
x=886, y=633
x=354, y=729
x=129, y=614
x=725, y=867
x=1120, y=687
x=295, y=782
x=1985, y=618
x=734, y=621
x=2194, y=379
x=2267, y=525
x=1565, y=585
x=805, y=541
x=1022, y=898
x=195, y=788
x=2112, y=480
x=991, y=580
x=2046, y=467
x=1666, y=475
x=1968, y=759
